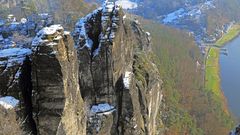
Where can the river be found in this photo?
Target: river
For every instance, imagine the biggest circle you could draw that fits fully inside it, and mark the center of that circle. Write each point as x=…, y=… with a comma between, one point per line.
x=230, y=75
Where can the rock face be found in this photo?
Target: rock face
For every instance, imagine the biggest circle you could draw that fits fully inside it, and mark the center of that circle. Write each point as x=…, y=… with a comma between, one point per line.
x=123, y=96
x=236, y=131
x=58, y=104
x=102, y=81
x=15, y=81
x=42, y=76
x=44, y=79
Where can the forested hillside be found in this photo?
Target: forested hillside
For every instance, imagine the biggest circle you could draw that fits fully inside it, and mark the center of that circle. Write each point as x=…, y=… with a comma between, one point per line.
x=189, y=108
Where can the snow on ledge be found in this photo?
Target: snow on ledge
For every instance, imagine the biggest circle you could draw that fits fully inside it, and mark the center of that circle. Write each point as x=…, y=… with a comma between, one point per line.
x=127, y=79
x=52, y=30
x=14, y=52
x=126, y=4
x=102, y=109
x=108, y=6
x=13, y=56
x=148, y=33
x=8, y=102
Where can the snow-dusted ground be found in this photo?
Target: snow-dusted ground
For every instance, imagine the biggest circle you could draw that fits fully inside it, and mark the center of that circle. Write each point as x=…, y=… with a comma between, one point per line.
x=8, y=102
x=126, y=4
x=173, y=16
x=187, y=12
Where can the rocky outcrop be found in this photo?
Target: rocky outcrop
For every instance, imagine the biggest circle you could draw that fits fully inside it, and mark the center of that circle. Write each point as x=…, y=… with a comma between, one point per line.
x=236, y=131
x=122, y=95
x=102, y=81
x=57, y=104
x=44, y=78
x=16, y=67
x=13, y=82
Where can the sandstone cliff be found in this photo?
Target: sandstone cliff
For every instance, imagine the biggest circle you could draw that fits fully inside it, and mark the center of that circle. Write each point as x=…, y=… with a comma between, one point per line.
x=44, y=79
x=57, y=100
x=117, y=79
x=100, y=81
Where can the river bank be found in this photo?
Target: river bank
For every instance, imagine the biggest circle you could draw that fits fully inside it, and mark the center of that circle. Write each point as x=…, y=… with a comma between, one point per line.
x=212, y=68
x=212, y=62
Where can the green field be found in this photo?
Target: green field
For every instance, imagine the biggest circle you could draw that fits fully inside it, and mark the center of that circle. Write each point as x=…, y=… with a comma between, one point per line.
x=212, y=72
x=212, y=77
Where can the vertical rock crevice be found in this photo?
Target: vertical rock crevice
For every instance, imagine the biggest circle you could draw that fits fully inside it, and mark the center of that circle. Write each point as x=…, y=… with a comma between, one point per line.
x=26, y=88
x=119, y=89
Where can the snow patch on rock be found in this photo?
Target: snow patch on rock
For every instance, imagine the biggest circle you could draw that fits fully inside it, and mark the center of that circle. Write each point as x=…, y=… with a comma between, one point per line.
x=8, y=102
x=12, y=56
x=81, y=30
x=102, y=108
x=148, y=33
x=127, y=79
x=109, y=21
x=173, y=16
x=126, y=4
x=47, y=31
x=51, y=30
x=108, y=6
x=14, y=52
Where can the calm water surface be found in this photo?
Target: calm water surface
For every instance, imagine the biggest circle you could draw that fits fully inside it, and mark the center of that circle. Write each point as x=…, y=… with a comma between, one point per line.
x=230, y=75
